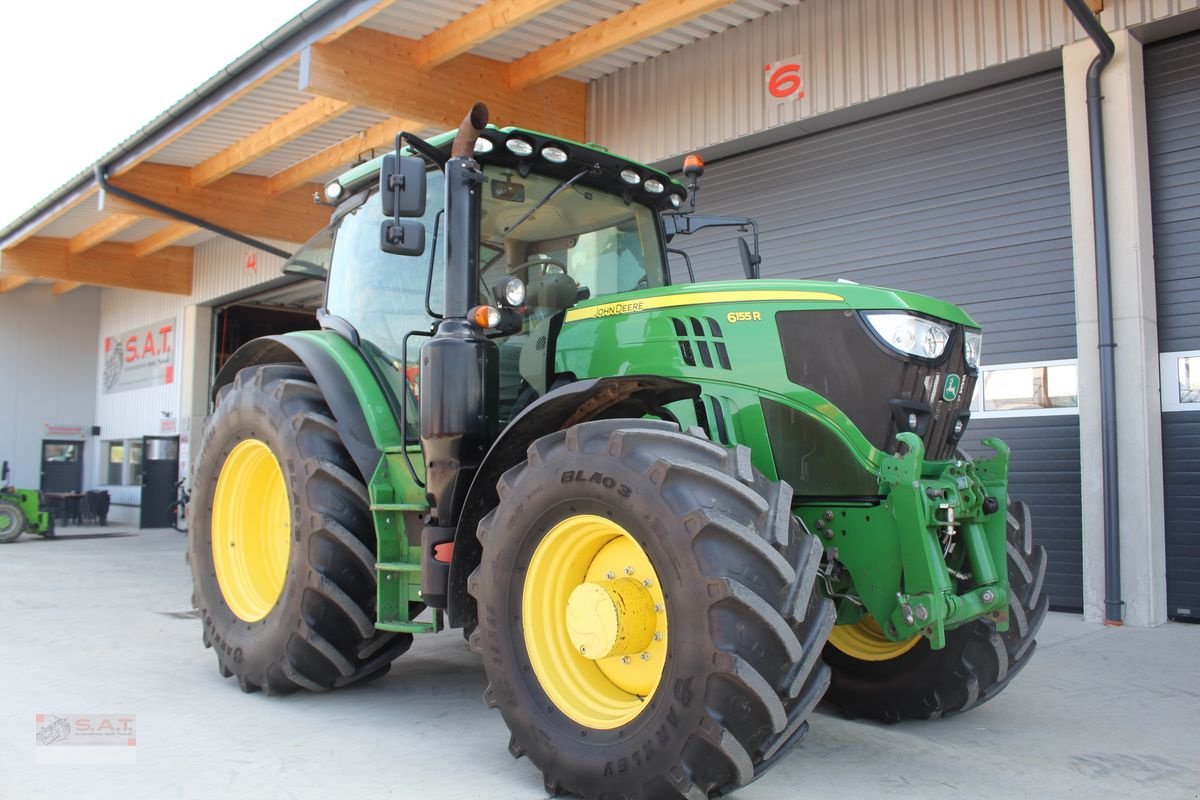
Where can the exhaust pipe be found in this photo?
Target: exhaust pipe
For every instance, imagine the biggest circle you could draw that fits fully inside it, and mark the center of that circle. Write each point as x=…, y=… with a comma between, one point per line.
x=468, y=132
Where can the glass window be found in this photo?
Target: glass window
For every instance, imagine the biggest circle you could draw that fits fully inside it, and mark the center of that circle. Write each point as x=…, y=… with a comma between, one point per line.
x=602, y=243
x=162, y=449
x=1028, y=388
x=312, y=260
x=114, y=474
x=1189, y=379
x=380, y=294
x=135, y=463
x=60, y=451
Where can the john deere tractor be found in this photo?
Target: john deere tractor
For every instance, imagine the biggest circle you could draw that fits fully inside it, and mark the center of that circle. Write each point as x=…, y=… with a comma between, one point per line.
x=670, y=516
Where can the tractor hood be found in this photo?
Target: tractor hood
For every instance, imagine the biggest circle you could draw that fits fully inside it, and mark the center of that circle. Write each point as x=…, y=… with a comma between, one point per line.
x=791, y=294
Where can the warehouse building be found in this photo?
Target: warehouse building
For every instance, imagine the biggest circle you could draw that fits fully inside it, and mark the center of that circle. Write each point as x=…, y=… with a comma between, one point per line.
x=939, y=147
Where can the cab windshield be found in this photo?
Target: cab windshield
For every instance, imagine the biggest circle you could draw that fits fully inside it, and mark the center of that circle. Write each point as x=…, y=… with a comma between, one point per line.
x=603, y=244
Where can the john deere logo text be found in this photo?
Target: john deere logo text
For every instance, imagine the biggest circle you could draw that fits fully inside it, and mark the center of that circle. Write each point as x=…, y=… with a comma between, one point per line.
x=953, y=384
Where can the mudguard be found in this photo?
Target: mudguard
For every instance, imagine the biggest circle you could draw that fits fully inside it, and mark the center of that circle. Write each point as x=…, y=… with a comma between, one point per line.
x=630, y=396
x=335, y=386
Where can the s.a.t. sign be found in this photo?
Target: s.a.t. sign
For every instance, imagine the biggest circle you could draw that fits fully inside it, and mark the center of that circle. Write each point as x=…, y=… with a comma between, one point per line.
x=139, y=358
x=785, y=83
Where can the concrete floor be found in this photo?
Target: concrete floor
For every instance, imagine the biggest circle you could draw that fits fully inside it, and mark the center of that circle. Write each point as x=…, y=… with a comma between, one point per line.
x=99, y=624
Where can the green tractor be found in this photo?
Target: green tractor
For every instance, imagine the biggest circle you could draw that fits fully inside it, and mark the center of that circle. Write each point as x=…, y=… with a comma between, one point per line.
x=670, y=517
x=22, y=511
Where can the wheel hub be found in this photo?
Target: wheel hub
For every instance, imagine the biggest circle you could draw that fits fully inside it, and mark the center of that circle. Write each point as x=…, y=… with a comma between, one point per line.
x=594, y=619
x=610, y=618
x=866, y=641
x=251, y=530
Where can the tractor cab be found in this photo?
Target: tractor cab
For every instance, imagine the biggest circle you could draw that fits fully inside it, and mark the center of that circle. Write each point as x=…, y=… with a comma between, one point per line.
x=559, y=223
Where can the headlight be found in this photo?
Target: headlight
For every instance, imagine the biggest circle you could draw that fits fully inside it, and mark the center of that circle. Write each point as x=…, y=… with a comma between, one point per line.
x=511, y=291
x=908, y=334
x=972, y=346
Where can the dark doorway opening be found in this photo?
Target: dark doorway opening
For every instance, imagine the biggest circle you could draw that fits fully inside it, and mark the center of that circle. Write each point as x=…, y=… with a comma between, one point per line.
x=160, y=471
x=62, y=466
x=238, y=324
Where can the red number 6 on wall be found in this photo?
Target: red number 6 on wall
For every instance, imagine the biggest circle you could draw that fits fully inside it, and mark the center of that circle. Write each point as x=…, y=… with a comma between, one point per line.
x=784, y=82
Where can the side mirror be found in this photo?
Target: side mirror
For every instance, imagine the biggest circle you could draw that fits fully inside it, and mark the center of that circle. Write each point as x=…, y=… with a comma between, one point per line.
x=750, y=261
x=402, y=186
x=402, y=238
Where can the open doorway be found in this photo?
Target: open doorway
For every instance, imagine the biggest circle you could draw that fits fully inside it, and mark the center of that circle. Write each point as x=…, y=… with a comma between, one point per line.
x=280, y=310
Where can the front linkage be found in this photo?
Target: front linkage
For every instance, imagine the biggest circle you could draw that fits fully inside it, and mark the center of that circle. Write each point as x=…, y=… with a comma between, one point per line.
x=940, y=535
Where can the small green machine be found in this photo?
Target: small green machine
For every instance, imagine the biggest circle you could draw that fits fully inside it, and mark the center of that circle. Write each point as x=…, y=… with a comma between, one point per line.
x=669, y=515
x=21, y=511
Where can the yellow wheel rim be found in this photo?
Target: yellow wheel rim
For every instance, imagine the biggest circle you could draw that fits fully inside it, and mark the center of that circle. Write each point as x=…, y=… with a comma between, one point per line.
x=595, y=621
x=251, y=530
x=865, y=641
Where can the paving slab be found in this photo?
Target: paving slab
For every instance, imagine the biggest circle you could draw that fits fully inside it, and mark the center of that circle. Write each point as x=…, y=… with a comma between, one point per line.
x=98, y=621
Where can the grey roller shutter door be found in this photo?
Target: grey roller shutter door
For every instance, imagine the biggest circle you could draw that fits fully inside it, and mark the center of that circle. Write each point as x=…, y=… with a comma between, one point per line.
x=965, y=199
x=1173, y=111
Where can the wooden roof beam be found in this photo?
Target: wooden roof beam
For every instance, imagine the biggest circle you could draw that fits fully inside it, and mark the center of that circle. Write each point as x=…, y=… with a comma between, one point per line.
x=238, y=202
x=290, y=126
x=377, y=70
x=10, y=282
x=163, y=237
x=106, y=264
x=62, y=287
x=476, y=27
x=344, y=153
x=626, y=28
x=105, y=228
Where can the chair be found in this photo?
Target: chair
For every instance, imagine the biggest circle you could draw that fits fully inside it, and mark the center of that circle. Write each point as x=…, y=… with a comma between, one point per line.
x=93, y=507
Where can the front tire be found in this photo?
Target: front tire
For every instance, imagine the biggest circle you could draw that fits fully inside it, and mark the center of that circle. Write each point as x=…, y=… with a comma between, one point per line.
x=976, y=664
x=282, y=542
x=12, y=521
x=721, y=660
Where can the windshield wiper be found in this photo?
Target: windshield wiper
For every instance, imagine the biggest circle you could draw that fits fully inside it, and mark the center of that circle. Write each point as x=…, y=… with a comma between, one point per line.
x=549, y=196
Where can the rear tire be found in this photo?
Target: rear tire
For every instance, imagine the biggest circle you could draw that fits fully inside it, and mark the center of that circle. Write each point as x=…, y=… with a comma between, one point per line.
x=12, y=521
x=977, y=663
x=320, y=633
x=743, y=625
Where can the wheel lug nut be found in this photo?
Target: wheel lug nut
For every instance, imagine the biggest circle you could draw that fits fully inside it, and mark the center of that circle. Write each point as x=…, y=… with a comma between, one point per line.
x=610, y=575
x=629, y=570
x=647, y=582
x=624, y=659
x=582, y=650
x=658, y=636
x=658, y=609
x=645, y=656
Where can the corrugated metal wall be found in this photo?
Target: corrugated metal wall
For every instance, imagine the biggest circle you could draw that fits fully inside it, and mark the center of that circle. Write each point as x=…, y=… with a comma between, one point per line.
x=1173, y=111
x=1045, y=474
x=965, y=199
x=852, y=52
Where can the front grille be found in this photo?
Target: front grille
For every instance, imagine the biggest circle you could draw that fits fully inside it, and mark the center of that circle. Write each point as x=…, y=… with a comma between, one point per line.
x=833, y=354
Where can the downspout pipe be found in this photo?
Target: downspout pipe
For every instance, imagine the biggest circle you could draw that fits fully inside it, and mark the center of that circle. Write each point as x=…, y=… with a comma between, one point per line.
x=154, y=205
x=1114, y=607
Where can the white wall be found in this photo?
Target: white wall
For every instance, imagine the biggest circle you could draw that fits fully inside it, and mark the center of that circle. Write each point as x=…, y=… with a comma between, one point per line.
x=221, y=272
x=47, y=374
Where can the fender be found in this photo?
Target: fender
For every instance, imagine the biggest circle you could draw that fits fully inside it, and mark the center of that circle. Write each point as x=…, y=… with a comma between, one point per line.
x=628, y=396
x=329, y=376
